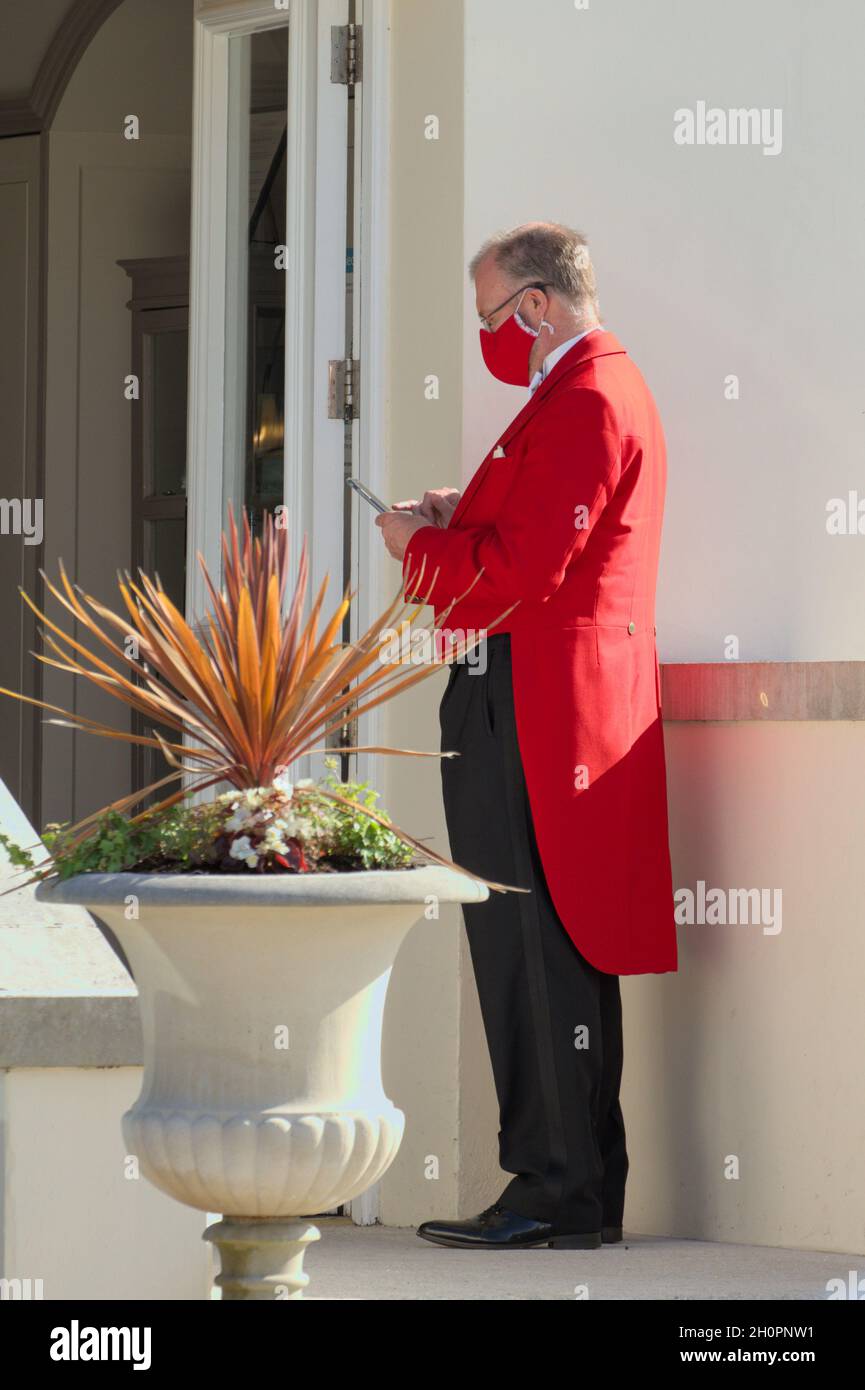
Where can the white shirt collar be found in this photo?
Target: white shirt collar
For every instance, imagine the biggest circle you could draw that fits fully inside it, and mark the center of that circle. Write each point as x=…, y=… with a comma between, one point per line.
x=553, y=357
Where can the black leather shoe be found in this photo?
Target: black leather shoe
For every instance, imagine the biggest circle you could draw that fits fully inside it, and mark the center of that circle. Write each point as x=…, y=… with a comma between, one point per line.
x=611, y=1235
x=498, y=1228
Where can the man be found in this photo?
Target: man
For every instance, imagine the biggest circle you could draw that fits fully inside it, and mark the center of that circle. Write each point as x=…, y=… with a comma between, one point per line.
x=560, y=784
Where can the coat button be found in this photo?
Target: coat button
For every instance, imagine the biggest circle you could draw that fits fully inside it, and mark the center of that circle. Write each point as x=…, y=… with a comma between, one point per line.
x=632, y=627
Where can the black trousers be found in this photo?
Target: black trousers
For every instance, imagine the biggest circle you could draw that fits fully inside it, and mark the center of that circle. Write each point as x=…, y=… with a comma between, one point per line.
x=553, y=1021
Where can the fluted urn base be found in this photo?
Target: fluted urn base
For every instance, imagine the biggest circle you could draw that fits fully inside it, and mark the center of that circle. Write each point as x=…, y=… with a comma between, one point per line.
x=284, y=1163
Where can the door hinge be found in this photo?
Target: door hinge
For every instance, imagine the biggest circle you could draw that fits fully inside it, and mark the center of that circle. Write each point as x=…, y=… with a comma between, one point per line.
x=343, y=389
x=346, y=54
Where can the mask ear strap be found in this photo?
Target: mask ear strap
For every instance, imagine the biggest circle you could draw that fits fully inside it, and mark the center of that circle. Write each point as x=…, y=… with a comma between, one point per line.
x=544, y=322
x=521, y=321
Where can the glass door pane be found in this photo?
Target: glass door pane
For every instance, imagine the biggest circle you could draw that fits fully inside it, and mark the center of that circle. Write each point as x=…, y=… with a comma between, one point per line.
x=255, y=299
x=268, y=129
x=266, y=470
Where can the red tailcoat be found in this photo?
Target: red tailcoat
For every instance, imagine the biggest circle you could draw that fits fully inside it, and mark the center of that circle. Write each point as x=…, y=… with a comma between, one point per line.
x=568, y=523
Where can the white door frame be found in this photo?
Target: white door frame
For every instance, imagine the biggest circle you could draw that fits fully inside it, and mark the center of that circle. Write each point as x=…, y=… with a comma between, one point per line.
x=375, y=577
x=314, y=303
x=314, y=285
x=313, y=300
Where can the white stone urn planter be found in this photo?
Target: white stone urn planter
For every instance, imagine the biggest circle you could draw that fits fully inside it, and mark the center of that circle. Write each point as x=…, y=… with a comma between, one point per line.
x=261, y=1006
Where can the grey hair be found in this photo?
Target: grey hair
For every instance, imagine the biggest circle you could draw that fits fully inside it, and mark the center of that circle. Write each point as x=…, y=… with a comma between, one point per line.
x=546, y=253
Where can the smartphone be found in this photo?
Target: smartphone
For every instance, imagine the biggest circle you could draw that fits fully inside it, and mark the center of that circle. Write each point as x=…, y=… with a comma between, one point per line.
x=370, y=497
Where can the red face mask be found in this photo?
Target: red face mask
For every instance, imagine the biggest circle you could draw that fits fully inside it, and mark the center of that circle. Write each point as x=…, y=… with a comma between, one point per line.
x=506, y=351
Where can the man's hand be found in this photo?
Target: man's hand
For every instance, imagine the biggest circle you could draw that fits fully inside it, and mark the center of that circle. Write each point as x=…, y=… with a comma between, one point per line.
x=398, y=527
x=437, y=506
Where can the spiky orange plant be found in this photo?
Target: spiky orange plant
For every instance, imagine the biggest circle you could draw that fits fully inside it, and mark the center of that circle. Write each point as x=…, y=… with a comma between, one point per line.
x=253, y=689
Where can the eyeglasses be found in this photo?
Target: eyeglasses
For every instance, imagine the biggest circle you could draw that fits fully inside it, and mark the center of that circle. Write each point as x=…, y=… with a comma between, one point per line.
x=535, y=285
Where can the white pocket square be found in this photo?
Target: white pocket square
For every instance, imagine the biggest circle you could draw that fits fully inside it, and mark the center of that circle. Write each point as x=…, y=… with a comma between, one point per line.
x=498, y=452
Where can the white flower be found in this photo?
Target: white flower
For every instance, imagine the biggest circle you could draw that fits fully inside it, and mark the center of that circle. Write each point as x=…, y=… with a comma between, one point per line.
x=273, y=840
x=288, y=826
x=237, y=821
x=242, y=849
x=282, y=784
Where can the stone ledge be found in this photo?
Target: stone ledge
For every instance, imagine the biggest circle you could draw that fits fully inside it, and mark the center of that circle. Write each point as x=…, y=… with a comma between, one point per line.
x=66, y=1000
x=732, y=691
x=70, y=1031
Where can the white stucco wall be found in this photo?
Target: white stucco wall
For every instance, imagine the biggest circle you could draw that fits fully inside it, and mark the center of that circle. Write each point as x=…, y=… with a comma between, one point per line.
x=76, y=1215
x=711, y=260
x=744, y=1093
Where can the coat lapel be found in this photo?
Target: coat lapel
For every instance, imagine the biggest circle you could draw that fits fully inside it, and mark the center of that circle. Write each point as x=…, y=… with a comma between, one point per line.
x=600, y=344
